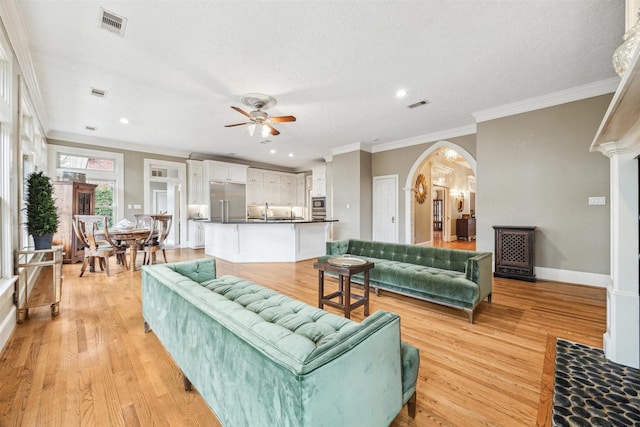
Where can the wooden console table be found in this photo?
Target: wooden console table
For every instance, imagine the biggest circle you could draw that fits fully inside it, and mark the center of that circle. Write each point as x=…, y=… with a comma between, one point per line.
x=344, y=289
x=40, y=281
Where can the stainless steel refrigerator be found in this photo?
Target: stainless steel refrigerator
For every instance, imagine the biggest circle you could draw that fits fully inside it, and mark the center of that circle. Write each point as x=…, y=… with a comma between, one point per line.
x=228, y=201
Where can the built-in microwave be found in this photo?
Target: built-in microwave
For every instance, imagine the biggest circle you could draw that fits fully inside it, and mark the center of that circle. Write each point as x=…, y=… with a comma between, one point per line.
x=318, y=209
x=318, y=202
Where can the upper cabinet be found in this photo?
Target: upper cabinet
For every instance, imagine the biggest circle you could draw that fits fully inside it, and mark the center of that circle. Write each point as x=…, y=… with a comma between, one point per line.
x=300, y=190
x=319, y=181
x=227, y=172
x=196, y=194
x=274, y=188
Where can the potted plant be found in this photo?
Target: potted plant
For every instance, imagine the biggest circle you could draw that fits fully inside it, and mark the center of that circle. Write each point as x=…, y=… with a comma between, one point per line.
x=42, y=214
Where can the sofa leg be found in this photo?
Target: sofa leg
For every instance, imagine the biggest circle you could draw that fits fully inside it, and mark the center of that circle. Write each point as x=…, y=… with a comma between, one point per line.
x=489, y=298
x=470, y=315
x=187, y=383
x=411, y=405
x=147, y=328
x=377, y=291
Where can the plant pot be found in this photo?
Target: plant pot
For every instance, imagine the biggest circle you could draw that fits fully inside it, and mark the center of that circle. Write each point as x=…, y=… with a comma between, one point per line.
x=42, y=242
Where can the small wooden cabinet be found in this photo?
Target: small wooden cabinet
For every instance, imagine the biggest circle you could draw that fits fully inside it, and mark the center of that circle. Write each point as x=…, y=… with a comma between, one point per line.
x=466, y=228
x=72, y=198
x=514, y=252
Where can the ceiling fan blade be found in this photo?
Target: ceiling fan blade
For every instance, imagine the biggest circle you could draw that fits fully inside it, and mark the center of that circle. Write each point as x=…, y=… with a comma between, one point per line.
x=237, y=124
x=274, y=131
x=281, y=119
x=239, y=110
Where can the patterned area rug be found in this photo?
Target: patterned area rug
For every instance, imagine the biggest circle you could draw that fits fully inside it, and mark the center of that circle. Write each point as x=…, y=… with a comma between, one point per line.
x=590, y=390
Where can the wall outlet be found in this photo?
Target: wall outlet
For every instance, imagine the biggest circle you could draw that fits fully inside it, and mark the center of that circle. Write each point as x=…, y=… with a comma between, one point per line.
x=129, y=206
x=599, y=201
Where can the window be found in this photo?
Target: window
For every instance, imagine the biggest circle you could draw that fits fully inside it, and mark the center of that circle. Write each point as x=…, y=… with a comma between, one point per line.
x=6, y=225
x=104, y=168
x=68, y=161
x=105, y=204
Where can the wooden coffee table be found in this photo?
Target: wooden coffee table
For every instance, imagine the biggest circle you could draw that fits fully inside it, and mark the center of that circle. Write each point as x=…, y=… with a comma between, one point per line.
x=344, y=267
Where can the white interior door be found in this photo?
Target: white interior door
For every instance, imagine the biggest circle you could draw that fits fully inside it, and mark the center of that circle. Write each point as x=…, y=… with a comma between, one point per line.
x=385, y=208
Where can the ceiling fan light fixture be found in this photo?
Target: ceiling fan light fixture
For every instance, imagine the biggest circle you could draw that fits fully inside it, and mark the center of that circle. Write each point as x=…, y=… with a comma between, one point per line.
x=251, y=128
x=265, y=131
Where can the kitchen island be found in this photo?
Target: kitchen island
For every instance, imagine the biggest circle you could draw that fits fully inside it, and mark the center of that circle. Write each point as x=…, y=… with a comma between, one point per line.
x=266, y=241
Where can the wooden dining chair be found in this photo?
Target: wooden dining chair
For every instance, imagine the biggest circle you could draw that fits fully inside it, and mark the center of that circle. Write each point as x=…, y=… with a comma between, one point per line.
x=162, y=227
x=143, y=220
x=146, y=221
x=93, y=233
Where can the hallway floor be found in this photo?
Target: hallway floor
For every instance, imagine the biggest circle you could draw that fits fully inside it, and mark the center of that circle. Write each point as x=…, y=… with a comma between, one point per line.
x=456, y=244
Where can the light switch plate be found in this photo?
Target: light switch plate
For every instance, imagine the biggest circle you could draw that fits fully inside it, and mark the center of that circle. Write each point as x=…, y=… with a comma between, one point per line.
x=598, y=201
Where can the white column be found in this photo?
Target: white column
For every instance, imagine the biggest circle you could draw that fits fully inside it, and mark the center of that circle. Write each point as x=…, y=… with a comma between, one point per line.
x=621, y=341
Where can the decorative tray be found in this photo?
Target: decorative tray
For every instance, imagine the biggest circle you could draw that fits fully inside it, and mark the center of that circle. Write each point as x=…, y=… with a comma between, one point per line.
x=346, y=261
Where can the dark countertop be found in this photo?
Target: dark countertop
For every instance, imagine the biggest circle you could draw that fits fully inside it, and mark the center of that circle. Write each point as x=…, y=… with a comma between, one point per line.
x=271, y=221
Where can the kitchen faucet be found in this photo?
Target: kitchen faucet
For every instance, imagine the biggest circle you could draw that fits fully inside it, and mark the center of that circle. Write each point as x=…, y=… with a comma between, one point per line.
x=266, y=209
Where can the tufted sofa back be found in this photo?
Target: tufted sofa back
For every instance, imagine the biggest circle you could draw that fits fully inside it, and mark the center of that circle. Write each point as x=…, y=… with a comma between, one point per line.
x=308, y=332
x=446, y=259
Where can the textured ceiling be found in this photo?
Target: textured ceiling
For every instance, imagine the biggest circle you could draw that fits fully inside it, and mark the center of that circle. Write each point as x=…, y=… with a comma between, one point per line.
x=335, y=65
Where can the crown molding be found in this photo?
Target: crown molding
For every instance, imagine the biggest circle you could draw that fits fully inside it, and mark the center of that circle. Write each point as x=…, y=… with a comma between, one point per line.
x=15, y=28
x=422, y=139
x=112, y=143
x=590, y=90
x=358, y=146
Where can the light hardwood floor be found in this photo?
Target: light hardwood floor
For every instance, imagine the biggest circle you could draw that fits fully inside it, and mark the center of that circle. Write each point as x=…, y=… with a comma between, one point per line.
x=94, y=365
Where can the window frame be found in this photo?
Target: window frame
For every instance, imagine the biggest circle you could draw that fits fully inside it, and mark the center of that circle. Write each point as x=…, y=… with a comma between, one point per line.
x=118, y=176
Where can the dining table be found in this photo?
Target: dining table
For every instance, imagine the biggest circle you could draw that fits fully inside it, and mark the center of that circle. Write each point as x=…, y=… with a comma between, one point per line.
x=131, y=237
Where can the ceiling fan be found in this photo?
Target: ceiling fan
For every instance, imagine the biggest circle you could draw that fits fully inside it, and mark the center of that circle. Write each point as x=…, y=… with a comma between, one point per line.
x=259, y=118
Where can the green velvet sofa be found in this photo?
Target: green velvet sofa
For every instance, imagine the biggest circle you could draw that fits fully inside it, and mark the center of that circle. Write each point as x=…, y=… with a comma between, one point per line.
x=450, y=277
x=259, y=358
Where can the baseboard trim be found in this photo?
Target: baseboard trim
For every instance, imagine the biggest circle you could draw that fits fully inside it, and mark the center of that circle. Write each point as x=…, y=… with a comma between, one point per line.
x=8, y=323
x=570, y=276
x=7, y=327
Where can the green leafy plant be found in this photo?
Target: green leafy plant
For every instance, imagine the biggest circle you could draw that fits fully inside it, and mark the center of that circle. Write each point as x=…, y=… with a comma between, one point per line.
x=42, y=214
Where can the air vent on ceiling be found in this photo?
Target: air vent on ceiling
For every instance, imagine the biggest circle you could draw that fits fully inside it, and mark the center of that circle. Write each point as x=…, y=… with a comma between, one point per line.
x=91, y=128
x=98, y=92
x=112, y=22
x=418, y=104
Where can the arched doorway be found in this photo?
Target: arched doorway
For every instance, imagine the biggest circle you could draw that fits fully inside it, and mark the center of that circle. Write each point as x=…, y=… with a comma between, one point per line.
x=456, y=197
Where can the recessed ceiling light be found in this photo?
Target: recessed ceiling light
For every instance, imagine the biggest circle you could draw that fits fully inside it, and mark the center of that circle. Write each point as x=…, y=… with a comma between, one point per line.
x=401, y=93
x=124, y=120
x=290, y=154
x=272, y=151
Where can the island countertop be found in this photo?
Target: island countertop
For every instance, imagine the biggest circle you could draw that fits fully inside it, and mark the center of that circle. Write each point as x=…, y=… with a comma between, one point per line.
x=279, y=241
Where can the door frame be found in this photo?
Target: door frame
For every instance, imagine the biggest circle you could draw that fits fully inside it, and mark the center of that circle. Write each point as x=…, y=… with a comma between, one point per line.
x=396, y=228
x=411, y=176
x=181, y=180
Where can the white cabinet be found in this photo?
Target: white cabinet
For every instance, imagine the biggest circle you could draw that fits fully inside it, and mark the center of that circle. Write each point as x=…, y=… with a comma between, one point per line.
x=255, y=193
x=300, y=190
x=319, y=181
x=196, y=234
x=196, y=193
x=287, y=190
x=272, y=188
x=255, y=175
x=255, y=186
x=227, y=172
